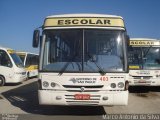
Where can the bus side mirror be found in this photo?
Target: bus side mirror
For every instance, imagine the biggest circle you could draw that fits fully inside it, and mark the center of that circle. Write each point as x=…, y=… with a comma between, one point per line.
x=36, y=36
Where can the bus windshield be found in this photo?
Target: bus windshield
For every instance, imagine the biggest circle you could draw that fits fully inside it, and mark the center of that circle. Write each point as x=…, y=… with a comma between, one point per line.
x=83, y=50
x=22, y=57
x=17, y=60
x=144, y=57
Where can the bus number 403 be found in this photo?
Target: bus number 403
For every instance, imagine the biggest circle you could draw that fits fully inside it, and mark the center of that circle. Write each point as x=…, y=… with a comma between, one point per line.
x=104, y=78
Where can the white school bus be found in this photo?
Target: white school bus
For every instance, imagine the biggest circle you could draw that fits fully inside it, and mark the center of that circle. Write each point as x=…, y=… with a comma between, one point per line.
x=144, y=62
x=83, y=60
x=11, y=67
x=30, y=61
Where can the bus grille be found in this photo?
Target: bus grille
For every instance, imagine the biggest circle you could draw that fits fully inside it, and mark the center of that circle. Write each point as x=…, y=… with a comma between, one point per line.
x=73, y=88
x=144, y=77
x=23, y=73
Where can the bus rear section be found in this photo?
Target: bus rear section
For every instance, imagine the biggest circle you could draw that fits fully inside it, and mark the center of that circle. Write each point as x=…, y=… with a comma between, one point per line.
x=83, y=60
x=11, y=67
x=144, y=62
x=30, y=61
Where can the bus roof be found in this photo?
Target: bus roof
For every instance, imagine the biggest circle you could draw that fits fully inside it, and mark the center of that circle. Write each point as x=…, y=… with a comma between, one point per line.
x=85, y=15
x=79, y=20
x=23, y=53
x=9, y=50
x=5, y=48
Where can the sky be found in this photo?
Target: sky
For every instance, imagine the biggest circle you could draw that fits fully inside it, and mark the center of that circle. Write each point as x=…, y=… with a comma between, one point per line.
x=19, y=18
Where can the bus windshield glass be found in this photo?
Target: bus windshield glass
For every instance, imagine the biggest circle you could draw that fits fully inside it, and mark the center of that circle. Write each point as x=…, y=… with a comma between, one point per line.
x=83, y=50
x=17, y=60
x=144, y=57
x=22, y=57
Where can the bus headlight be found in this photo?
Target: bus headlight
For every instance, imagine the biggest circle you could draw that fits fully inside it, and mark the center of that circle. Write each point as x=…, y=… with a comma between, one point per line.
x=120, y=84
x=113, y=85
x=157, y=75
x=45, y=84
x=20, y=73
x=53, y=84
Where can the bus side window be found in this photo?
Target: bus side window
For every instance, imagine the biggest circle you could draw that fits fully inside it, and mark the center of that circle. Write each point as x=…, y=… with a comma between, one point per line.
x=4, y=59
x=53, y=49
x=32, y=60
x=36, y=59
x=28, y=61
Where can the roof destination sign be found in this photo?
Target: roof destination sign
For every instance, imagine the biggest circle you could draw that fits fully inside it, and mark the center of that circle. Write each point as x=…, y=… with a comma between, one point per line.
x=144, y=43
x=84, y=21
x=88, y=21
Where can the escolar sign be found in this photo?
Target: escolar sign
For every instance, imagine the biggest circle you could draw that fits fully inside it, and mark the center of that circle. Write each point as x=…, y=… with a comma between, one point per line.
x=84, y=22
x=144, y=43
x=104, y=22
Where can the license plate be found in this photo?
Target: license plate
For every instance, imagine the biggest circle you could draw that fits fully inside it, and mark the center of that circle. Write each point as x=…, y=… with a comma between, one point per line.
x=142, y=81
x=82, y=97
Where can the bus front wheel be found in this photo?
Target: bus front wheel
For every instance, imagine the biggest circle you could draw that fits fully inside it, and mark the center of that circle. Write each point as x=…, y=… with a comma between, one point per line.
x=2, y=81
x=28, y=76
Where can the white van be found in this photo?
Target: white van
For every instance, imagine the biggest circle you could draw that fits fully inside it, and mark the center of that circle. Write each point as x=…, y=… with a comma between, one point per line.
x=11, y=67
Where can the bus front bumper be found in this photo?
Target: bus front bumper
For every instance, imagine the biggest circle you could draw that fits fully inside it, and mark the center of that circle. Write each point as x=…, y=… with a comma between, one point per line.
x=102, y=98
x=19, y=78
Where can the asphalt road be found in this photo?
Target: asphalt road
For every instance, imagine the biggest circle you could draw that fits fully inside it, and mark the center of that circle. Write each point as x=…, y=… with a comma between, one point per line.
x=22, y=100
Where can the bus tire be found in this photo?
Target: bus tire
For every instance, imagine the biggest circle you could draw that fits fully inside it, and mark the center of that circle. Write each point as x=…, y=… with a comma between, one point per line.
x=28, y=76
x=2, y=80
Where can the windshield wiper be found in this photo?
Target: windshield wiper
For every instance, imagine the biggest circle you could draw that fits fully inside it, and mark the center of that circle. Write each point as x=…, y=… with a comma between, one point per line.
x=75, y=55
x=66, y=65
x=64, y=68
x=101, y=71
x=147, y=52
